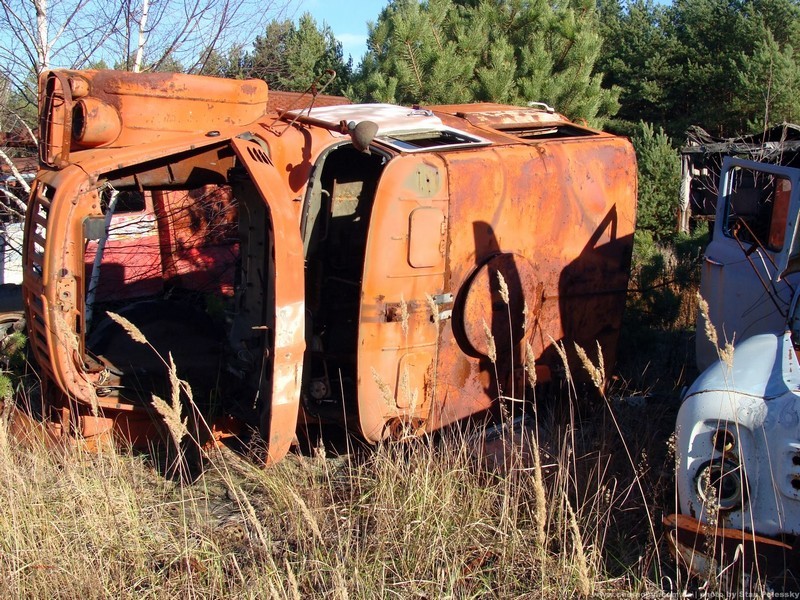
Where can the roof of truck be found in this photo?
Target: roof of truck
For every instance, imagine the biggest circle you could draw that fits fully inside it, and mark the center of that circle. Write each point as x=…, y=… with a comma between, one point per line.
x=403, y=128
x=389, y=118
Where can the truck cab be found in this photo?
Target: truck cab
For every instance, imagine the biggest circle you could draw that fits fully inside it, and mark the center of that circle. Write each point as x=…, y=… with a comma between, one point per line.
x=738, y=427
x=387, y=269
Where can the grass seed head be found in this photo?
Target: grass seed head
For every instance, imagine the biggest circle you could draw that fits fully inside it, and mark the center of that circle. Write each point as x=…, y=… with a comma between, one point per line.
x=131, y=329
x=403, y=315
x=411, y=396
x=710, y=330
x=726, y=354
x=562, y=353
x=491, y=349
x=172, y=417
x=596, y=374
x=503, y=287
x=172, y=412
x=386, y=391
x=584, y=581
x=530, y=365
x=540, y=498
x=601, y=364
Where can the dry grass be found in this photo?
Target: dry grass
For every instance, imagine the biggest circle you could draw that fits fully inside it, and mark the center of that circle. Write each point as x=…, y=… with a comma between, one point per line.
x=422, y=519
x=429, y=518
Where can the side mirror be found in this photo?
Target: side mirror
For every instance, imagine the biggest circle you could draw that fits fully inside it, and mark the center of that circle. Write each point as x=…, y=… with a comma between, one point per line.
x=362, y=134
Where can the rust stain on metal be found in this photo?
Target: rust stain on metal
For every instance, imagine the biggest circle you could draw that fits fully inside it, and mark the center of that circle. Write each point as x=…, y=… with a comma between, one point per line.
x=703, y=548
x=392, y=291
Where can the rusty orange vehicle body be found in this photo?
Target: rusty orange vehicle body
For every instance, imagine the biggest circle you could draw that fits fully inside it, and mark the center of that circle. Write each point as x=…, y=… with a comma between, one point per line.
x=386, y=269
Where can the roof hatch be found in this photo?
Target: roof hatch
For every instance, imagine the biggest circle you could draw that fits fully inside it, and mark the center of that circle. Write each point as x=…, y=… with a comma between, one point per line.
x=402, y=128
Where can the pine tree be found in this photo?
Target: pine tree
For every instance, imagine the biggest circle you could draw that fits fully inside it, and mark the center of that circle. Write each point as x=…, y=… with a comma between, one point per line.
x=637, y=58
x=659, y=181
x=727, y=65
x=291, y=57
x=413, y=56
x=310, y=51
x=233, y=64
x=515, y=51
x=267, y=61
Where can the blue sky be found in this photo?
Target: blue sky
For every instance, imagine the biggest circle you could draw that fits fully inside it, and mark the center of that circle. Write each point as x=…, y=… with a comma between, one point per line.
x=348, y=19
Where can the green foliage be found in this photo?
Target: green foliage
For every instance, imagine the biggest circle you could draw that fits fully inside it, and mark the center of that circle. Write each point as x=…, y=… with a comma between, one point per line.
x=287, y=56
x=414, y=55
x=769, y=85
x=656, y=302
x=12, y=362
x=666, y=276
x=291, y=57
x=6, y=388
x=656, y=349
x=234, y=63
x=662, y=272
x=310, y=52
x=267, y=61
x=447, y=51
x=659, y=182
x=12, y=350
x=636, y=57
x=728, y=66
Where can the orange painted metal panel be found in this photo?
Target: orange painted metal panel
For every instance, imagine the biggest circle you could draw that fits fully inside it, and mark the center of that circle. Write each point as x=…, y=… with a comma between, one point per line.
x=279, y=417
x=471, y=253
x=426, y=229
x=395, y=312
x=555, y=221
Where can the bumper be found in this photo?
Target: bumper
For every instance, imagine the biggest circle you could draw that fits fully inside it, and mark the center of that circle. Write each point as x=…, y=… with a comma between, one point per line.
x=705, y=549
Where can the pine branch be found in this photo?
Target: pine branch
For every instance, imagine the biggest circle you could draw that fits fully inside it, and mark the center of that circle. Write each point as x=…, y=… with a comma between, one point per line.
x=414, y=65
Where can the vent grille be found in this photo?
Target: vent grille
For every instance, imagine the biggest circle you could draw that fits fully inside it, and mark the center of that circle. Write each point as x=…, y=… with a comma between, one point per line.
x=34, y=269
x=258, y=154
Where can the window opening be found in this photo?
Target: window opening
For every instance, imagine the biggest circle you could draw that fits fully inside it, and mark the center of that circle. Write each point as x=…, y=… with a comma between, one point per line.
x=758, y=208
x=445, y=138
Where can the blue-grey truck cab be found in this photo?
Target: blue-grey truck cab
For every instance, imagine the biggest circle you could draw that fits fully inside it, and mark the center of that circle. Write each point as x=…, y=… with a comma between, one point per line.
x=738, y=428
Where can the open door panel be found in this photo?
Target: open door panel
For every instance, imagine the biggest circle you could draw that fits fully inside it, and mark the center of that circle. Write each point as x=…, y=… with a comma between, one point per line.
x=284, y=314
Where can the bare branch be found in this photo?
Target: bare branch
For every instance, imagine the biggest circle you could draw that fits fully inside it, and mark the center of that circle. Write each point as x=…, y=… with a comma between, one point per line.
x=15, y=200
x=25, y=125
x=15, y=171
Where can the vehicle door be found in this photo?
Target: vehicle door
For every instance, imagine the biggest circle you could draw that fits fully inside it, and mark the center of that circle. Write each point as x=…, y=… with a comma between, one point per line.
x=283, y=326
x=745, y=265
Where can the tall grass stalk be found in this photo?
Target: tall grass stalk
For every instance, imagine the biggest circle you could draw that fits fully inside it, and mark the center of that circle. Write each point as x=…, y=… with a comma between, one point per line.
x=597, y=375
x=425, y=518
x=421, y=519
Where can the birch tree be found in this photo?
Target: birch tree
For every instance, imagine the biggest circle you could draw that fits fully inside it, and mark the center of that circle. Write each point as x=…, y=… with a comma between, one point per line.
x=36, y=35
x=155, y=33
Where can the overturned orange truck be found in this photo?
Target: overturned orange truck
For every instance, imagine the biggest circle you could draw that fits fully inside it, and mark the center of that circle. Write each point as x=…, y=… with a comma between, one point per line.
x=307, y=261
